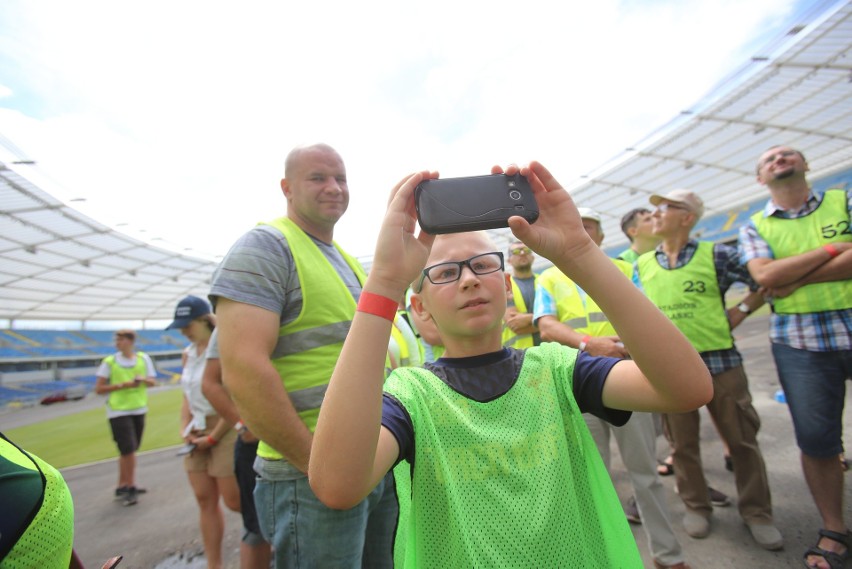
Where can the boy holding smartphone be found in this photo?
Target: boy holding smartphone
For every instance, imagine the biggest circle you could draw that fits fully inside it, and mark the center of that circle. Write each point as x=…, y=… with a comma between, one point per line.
x=503, y=469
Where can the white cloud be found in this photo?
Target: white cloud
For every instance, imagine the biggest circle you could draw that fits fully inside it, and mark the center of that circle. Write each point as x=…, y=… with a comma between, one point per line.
x=176, y=116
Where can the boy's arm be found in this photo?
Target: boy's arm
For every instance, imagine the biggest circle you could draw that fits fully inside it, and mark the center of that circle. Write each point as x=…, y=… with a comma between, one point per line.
x=666, y=373
x=351, y=450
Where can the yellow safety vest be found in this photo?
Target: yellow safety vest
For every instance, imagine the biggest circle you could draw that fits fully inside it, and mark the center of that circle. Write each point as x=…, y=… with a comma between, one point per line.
x=828, y=223
x=690, y=297
x=510, y=339
x=130, y=398
x=308, y=347
x=574, y=307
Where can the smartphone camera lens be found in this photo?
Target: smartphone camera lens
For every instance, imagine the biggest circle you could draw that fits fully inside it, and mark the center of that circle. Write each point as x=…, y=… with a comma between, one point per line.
x=515, y=195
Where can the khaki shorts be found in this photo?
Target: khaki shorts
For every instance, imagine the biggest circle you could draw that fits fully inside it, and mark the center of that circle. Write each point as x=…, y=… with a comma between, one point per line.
x=218, y=461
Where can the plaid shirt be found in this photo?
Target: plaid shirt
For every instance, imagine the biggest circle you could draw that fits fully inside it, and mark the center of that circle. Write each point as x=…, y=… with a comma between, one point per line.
x=816, y=331
x=728, y=271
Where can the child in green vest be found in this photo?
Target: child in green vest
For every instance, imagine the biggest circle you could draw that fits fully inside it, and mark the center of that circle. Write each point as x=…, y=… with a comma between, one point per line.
x=503, y=471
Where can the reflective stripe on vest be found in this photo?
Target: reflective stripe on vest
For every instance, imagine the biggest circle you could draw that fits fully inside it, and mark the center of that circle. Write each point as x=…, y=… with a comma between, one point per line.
x=828, y=223
x=308, y=347
x=574, y=307
x=690, y=297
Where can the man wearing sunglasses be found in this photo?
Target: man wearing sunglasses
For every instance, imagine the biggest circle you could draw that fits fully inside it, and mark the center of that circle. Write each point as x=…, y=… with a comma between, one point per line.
x=687, y=280
x=519, y=330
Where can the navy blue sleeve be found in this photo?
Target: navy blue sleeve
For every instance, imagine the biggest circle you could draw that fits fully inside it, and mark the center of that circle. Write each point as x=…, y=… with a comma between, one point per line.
x=397, y=420
x=590, y=374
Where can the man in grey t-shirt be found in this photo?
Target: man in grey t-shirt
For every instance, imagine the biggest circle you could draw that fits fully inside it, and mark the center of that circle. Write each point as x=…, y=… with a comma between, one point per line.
x=285, y=295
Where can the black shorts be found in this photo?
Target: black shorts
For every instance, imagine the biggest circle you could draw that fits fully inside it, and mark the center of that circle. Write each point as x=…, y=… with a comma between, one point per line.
x=127, y=432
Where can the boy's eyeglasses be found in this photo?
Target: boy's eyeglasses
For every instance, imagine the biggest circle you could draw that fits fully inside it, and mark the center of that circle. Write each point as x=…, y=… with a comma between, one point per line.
x=444, y=273
x=521, y=251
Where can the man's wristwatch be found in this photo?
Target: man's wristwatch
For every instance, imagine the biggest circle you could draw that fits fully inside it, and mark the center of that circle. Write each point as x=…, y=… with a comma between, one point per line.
x=743, y=307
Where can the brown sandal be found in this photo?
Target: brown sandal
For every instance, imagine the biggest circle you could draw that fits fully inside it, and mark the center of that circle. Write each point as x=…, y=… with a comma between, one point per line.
x=835, y=560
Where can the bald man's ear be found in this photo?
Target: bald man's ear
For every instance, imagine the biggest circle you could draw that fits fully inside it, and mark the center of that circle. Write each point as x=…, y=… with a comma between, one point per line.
x=509, y=293
x=285, y=188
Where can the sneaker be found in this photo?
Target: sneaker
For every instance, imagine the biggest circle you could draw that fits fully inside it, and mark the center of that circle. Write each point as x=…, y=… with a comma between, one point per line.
x=632, y=512
x=120, y=492
x=718, y=499
x=129, y=497
x=696, y=525
x=767, y=536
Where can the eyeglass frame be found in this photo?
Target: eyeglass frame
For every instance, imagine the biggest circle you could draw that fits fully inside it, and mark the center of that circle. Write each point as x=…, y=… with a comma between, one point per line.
x=775, y=156
x=664, y=207
x=521, y=251
x=424, y=274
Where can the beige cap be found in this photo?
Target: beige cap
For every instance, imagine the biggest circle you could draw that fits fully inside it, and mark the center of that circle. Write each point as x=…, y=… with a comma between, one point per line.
x=684, y=197
x=588, y=213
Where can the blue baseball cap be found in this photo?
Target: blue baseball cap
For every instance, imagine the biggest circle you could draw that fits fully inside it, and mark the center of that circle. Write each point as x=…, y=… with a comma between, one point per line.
x=188, y=310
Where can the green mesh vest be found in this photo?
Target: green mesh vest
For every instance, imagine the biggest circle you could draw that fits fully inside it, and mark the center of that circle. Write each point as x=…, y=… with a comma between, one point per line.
x=513, y=482
x=37, y=503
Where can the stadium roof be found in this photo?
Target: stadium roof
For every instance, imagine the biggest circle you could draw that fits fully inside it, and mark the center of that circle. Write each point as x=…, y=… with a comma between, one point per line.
x=797, y=92
x=57, y=264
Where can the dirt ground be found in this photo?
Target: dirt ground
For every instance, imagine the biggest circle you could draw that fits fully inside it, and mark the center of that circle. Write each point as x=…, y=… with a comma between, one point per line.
x=162, y=530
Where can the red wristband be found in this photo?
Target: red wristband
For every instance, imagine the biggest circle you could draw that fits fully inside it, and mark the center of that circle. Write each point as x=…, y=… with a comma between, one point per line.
x=583, y=343
x=211, y=441
x=377, y=305
x=831, y=250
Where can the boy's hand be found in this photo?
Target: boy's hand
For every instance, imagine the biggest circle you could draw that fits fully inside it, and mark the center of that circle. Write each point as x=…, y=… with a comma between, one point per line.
x=400, y=256
x=558, y=233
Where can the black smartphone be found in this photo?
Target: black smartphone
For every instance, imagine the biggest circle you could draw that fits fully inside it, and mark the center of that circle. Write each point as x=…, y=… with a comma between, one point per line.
x=453, y=205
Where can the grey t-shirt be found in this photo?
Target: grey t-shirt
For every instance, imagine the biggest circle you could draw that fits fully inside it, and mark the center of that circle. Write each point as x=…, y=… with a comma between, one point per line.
x=260, y=270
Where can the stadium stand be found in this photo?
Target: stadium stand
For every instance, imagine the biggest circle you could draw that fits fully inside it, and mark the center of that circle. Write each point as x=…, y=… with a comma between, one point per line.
x=53, y=365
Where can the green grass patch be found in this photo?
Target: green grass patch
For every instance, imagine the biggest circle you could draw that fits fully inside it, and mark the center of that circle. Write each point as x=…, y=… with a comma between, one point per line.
x=86, y=437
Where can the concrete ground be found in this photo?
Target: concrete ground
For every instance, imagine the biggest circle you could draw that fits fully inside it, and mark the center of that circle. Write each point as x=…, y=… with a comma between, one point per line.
x=162, y=530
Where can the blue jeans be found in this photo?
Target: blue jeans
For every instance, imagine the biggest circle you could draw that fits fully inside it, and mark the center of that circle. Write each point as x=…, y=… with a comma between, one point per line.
x=306, y=534
x=815, y=387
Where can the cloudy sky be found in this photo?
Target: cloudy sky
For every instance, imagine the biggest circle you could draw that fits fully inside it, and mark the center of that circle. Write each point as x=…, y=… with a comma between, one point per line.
x=173, y=118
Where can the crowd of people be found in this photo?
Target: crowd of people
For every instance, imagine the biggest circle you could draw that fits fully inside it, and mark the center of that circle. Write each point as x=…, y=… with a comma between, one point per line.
x=447, y=411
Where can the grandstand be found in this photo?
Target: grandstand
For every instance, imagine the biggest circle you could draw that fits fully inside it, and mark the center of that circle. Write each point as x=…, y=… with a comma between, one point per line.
x=46, y=365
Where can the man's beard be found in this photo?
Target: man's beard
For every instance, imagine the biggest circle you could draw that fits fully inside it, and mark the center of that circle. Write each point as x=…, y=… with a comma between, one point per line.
x=784, y=174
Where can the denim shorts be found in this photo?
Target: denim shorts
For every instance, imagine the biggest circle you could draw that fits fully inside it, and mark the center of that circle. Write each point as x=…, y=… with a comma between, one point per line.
x=306, y=534
x=815, y=387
